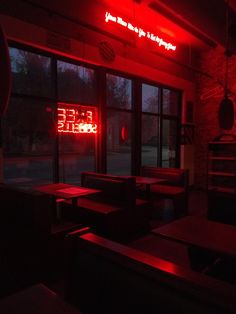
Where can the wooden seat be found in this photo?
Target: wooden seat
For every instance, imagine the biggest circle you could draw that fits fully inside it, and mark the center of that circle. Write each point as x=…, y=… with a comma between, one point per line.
x=175, y=187
x=166, y=190
x=98, y=207
x=119, y=279
x=115, y=212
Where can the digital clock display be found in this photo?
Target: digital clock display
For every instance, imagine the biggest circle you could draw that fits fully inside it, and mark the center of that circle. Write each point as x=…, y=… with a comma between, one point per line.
x=76, y=119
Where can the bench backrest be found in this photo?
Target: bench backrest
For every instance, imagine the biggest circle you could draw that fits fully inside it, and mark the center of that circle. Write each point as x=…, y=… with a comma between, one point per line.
x=25, y=223
x=25, y=212
x=174, y=176
x=107, y=277
x=115, y=189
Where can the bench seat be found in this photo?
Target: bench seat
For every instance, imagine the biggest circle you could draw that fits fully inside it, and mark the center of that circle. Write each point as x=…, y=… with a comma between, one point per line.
x=108, y=277
x=175, y=187
x=104, y=207
x=167, y=190
x=115, y=212
x=99, y=207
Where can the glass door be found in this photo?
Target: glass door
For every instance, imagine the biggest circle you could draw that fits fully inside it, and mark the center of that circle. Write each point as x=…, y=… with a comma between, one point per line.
x=76, y=120
x=119, y=124
x=160, y=126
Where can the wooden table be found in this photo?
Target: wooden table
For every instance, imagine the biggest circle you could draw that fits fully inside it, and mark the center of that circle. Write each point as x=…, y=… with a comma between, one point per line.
x=148, y=181
x=200, y=232
x=35, y=299
x=66, y=191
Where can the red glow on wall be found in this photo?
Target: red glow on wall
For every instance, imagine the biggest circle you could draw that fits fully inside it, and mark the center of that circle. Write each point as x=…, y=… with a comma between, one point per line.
x=140, y=32
x=124, y=133
x=76, y=119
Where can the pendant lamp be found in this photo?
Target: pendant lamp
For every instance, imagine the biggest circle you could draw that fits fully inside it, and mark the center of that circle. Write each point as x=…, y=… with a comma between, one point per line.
x=5, y=71
x=226, y=106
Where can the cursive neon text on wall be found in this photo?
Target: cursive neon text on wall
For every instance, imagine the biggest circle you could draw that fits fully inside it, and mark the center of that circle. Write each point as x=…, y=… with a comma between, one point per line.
x=139, y=31
x=76, y=119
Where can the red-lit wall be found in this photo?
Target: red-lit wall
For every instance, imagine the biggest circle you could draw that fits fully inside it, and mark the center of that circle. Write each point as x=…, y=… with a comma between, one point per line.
x=210, y=93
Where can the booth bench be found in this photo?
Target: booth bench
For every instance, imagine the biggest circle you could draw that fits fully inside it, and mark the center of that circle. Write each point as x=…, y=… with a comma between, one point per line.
x=107, y=277
x=115, y=212
x=175, y=187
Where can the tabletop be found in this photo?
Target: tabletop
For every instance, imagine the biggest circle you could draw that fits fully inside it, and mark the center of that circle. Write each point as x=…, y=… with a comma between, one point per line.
x=200, y=232
x=66, y=191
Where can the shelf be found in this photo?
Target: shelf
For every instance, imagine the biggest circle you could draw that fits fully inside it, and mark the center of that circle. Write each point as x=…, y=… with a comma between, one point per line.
x=222, y=142
x=222, y=158
x=221, y=174
x=221, y=189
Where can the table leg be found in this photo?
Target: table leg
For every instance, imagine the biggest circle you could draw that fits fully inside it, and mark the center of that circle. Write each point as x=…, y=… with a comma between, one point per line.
x=74, y=202
x=148, y=191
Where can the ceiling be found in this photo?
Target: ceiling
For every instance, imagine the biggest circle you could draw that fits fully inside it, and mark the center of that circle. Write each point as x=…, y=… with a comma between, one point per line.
x=198, y=24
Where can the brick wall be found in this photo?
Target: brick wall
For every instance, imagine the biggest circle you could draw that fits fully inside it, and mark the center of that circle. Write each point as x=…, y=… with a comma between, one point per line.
x=210, y=92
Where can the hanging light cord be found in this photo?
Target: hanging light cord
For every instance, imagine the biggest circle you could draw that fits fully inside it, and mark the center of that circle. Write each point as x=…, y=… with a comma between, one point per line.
x=226, y=48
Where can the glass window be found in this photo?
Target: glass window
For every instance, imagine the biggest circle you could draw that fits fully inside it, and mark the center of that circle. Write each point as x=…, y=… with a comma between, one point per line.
x=29, y=133
x=157, y=129
x=119, y=142
x=77, y=154
x=170, y=102
x=76, y=83
x=169, y=137
x=150, y=98
x=28, y=127
x=150, y=140
x=31, y=73
x=119, y=92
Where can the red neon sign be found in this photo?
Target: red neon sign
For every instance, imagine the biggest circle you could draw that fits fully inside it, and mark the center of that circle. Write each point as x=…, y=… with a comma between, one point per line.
x=139, y=31
x=76, y=119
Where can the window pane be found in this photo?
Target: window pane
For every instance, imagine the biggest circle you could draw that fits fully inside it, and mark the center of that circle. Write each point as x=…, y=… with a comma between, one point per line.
x=77, y=154
x=76, y=83
x=119, y=92
x=150, y=97
x=149, y=140
x=169, y=136
x=118, y=142
x=31, y=73
x=29, y=132
x=170, y=102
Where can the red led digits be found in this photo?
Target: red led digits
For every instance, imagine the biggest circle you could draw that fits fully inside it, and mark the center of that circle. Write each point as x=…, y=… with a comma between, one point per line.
x=76, y=119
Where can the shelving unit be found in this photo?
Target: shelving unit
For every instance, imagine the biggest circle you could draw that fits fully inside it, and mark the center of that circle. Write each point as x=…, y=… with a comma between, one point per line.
x=221, y=181
x=221, y=173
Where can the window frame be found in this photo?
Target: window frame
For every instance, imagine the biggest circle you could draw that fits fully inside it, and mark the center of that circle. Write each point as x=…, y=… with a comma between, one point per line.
x=136, y=108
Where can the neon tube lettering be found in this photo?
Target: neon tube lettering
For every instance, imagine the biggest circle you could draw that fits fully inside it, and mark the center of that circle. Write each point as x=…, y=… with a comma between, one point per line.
x=139, y=31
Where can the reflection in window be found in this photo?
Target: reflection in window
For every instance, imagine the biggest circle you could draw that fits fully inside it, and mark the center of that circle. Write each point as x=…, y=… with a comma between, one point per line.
x=119, y=92
x=150, y=98
x=149, y=140
x=28, y=128
x=77, y=154
x=169, y=137
x=76, y=83
x=119, y=142
x=159, y=126
x=29, y=132
x=119, y=100
x=31, y=73
x=170, y=102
